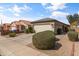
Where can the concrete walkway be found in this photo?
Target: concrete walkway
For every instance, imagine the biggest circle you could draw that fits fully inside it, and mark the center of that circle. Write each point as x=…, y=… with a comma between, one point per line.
x=13, y=48
x=71, y=48
x=76, y=49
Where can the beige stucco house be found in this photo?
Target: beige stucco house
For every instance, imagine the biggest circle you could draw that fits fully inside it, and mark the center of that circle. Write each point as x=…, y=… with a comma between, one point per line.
x=20, y=25
x=50, y=24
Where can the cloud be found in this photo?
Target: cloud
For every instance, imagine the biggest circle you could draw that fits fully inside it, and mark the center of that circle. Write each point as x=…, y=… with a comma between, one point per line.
x=26, y=7
x=61, y=16
x=4, y=18
x=15, y=11
x=18, y=9
x=58, y=13
x=44, y=4
x=16, y=14
x=8, y=19
x=78, y=12
x=54, y=6
x=53, y=9
x=2, y=8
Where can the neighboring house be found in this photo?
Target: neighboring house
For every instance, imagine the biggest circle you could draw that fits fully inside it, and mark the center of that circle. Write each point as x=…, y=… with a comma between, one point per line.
x=50, y=24
x=5, y=28
x=20, y=25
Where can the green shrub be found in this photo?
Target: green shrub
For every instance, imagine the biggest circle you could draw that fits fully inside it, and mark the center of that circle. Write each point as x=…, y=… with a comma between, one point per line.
x=29, y=30
x=26, y=31
x=73, y=36
x=12, y=34
x=71, y=29
x=44, y=40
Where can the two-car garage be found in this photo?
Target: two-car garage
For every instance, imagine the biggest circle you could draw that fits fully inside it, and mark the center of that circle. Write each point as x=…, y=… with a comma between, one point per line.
x=49, y=24
x=39, y=28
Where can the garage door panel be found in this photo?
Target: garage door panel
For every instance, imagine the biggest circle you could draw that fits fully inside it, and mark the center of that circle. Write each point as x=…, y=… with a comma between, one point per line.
x=39, y=28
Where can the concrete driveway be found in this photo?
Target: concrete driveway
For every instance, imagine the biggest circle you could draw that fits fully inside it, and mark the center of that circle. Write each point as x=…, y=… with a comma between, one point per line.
x=17, y=46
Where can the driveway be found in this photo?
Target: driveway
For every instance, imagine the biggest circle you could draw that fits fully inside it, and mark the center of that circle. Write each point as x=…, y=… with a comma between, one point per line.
x=17, y=46
x=21, y=38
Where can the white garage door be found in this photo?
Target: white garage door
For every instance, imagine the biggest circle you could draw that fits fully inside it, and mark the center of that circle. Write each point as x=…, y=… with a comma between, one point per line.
x=39, y=28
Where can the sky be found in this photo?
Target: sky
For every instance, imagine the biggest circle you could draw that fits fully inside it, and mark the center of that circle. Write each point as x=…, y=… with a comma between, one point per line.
x=34, y=11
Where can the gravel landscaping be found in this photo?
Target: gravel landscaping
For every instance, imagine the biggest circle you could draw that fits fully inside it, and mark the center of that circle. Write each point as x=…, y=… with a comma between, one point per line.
x=63, y=47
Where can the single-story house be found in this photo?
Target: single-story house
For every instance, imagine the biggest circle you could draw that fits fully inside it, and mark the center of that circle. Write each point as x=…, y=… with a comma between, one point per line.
x=20, y=25
x=50, y=24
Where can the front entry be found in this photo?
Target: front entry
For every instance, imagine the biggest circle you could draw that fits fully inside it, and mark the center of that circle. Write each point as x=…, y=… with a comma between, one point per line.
x=59, y=31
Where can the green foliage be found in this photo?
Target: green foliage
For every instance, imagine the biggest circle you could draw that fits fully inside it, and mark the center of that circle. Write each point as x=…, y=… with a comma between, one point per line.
x=12, y=34
x=44, y=40
x=71, y=29
x=29, y=30
x=73, y=36
x=73, y=19
x=70, y=18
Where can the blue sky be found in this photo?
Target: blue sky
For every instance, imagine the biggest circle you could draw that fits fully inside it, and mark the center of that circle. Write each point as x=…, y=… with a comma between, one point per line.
x=34, y=11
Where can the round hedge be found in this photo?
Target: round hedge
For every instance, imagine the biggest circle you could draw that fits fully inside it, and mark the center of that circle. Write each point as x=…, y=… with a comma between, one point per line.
x=44, y=40
x=12, y=34
x=73, y=36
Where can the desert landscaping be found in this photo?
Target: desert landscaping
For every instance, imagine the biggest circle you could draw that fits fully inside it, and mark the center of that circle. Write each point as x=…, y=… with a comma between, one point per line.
x=27, y=41
x=46, y=36
x=22, y=46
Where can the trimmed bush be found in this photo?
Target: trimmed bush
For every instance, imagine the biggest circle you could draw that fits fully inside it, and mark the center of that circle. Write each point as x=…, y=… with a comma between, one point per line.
x=29, y=30
x=71, y=29
x=26, y=31
x=73, y=36
x=12, y=34
x=44, y=40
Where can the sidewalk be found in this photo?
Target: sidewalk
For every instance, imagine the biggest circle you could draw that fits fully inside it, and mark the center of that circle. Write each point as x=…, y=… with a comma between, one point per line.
x=76, y=51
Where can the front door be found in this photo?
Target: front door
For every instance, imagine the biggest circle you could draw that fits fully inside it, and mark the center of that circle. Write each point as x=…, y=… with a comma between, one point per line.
x=22, y=28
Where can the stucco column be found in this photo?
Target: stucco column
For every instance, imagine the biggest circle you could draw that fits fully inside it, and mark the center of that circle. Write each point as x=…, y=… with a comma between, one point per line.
x=20, y=28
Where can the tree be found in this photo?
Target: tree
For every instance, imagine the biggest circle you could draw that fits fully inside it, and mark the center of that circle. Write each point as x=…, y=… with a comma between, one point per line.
x=73, y=19
x=70, y=18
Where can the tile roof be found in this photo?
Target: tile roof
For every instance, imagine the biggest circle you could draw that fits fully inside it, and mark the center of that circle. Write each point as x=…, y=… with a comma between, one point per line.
x=47, y=19
x=22, y=22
